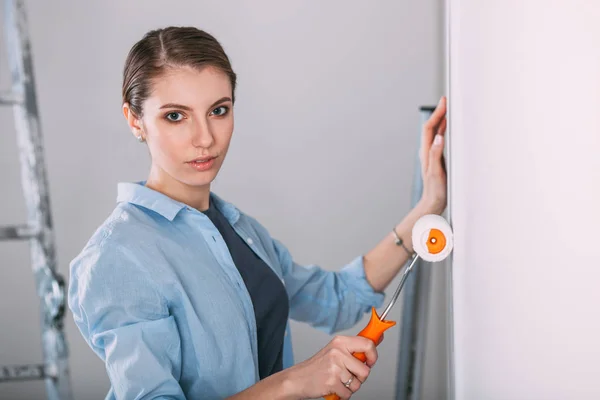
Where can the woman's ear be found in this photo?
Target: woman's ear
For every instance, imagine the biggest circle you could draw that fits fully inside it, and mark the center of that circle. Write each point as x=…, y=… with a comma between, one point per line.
x=135, y=123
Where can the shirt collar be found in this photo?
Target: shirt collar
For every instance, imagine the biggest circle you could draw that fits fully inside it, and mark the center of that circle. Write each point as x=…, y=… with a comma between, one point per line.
x=139, y=194
x=229, y=211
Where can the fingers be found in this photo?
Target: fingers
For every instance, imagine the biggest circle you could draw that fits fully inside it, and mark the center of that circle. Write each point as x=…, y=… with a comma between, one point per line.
x=343, y=392
x=436, y=124
x=344, y=365
x=444, y=163
x=429, y=128
x=442, y=127
x=354, y=385
x=438, y=114
x=357, y=368
x=359, y=344
x=338, y=375
x=435, y=155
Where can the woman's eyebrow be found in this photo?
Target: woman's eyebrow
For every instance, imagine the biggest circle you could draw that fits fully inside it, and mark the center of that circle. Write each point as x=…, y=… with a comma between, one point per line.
x=175, y=105
x=182, y=107
x=221, y=100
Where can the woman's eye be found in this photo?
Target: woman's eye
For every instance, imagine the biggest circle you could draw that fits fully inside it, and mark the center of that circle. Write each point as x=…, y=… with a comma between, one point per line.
x=174, y=116
x=220, y=111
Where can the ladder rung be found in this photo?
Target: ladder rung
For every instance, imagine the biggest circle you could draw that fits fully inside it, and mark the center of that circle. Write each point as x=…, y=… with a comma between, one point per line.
x=17, y=232
x=23, y=373
x=9, y=98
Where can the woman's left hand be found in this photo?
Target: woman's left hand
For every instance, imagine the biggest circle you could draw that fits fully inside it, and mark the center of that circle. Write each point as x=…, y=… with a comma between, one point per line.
x=433, y=166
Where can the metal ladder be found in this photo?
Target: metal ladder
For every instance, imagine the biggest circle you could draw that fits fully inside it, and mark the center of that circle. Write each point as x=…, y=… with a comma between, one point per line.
x=38, y=230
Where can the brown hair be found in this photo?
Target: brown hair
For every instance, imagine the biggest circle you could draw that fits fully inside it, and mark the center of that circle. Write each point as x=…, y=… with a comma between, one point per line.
x=169, y=47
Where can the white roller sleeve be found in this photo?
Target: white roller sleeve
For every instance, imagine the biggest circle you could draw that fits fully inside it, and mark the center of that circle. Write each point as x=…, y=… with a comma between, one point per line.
x=421, y=234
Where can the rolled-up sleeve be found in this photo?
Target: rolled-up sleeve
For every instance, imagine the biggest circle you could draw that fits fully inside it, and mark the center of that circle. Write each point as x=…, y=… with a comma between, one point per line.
x=329, y=300
x=125, y=320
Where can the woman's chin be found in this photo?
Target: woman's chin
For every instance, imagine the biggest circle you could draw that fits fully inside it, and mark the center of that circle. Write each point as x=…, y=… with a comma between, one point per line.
x=198, y=179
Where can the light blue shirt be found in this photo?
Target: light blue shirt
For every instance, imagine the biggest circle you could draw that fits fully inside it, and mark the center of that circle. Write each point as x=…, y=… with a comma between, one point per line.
x=157, y=297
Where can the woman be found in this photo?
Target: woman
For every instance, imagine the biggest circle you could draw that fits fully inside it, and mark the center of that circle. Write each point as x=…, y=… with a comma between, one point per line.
x=180, y=293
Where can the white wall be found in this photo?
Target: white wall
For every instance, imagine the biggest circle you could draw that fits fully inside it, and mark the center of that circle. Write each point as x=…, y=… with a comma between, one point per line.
x=525, y=172
x=326, y=133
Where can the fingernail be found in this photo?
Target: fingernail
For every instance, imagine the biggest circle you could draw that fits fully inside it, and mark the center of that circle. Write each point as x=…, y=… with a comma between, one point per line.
x=438, y=140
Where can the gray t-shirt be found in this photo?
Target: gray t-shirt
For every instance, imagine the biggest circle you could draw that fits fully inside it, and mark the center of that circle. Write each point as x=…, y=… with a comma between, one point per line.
x=269, y=297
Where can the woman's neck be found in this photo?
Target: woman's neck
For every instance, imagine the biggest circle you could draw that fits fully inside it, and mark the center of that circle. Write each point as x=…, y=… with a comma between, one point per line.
x=194, y=196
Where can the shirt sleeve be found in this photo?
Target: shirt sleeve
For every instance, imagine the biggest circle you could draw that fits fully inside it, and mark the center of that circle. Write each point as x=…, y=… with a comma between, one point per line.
x=125, y=320
x=329, y=300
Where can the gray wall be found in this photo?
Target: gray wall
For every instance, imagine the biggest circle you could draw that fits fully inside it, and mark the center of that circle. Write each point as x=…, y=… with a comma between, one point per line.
x=326, y=131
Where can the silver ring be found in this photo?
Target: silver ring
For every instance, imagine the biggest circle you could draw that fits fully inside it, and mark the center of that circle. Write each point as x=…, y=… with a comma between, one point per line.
x=348, y=382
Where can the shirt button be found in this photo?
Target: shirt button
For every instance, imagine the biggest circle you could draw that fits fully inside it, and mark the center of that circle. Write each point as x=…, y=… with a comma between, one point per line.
x=249, y=241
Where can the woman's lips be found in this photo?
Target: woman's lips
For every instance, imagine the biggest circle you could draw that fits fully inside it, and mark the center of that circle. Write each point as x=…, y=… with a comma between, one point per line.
x=202, y=164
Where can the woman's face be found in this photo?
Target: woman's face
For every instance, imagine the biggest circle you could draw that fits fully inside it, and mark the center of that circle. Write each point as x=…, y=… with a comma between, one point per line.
x=187, y=122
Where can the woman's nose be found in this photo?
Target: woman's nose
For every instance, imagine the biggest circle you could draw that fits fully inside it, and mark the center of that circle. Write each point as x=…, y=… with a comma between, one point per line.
x=202, y=135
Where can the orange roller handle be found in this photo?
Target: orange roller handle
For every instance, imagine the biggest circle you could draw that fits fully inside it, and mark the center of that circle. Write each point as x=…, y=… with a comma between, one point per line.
x=374, y=330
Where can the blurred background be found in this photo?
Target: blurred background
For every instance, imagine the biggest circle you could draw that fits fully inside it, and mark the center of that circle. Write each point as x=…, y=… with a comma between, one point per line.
x=326, y=135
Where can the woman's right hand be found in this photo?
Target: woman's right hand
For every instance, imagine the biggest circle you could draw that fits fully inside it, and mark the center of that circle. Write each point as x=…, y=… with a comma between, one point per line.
x=325, y=372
